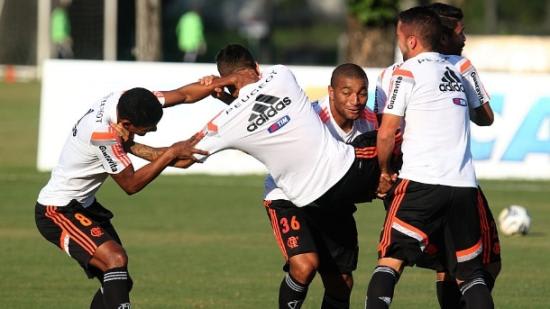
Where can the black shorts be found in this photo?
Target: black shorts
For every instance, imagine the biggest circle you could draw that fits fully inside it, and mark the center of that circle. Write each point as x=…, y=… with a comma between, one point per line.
x=76, y=230
x=330, y=232
x=421, y=215
x=360, y=182
x=433, y=257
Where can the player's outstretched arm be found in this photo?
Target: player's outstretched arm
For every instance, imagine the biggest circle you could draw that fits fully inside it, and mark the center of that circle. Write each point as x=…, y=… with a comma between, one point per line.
x=185, y=151
x=132, y=181
x=197, y=91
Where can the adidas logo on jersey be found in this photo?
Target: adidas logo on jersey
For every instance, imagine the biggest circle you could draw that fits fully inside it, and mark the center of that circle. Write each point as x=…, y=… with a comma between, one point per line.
x=266, y=107
x=450, y=81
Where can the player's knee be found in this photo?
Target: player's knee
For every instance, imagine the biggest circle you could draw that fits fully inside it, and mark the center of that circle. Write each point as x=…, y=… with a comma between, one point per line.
x=109, y=255
x=303, y=269
x=115, y=258
x=348, y=280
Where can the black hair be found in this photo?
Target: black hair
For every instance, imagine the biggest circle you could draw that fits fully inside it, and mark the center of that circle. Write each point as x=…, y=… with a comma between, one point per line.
x=234, y=57
x=139, y=106
x=426, y=25
x=448, y=14
x=347, y=70
x=446, y=10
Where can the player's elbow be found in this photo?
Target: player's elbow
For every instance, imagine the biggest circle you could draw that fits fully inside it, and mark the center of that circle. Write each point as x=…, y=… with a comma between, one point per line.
x=131, y=189
x=484, y=121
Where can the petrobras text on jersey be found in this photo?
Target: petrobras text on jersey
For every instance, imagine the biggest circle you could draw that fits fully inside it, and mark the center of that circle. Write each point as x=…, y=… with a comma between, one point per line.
x=517, y=145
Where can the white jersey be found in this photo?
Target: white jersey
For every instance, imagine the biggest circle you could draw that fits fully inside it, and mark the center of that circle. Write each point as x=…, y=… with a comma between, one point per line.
x=428, y=91
x=366, y=122
x=273, y=121
x=471, y=81
x=92, y=152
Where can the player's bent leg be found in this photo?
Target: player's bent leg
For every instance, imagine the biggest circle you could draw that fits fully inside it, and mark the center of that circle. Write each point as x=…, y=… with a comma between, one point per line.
x=303, y=267
x=293, y=289
x=448, y=293
x=476, y=294
x=111, y=258
x=338, y=288
x=382, y=283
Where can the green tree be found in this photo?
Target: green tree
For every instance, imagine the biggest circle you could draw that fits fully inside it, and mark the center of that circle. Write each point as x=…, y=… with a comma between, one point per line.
x=371, y=32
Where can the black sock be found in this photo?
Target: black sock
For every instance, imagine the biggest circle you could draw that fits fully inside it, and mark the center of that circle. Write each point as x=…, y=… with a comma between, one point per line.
x=475, y=294
x=291, y=293
x=115, y=288
x=97, y=301
x=330, y=302
x=448, y=294
x=381, y=287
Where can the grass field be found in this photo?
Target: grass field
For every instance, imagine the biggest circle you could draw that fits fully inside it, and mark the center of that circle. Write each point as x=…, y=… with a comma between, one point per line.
x=205, y=242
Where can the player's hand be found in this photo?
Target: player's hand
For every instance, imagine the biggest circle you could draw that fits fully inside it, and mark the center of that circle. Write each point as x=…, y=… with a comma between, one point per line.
x=385, y=184
x=207, y=80
x=124, y=135
x=185, y=150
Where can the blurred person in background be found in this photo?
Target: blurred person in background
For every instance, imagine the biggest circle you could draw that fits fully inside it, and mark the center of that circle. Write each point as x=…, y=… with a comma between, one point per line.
x=189, y=31
x=61, y=31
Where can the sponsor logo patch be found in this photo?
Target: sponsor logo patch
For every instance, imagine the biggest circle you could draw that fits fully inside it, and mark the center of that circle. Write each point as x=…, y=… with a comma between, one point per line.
x=397, y=84
x=459, y=101
x=278, y=124
x=110, y=160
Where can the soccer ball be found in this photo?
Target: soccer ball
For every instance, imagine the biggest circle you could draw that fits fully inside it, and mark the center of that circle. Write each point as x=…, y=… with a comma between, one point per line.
x=514, y=219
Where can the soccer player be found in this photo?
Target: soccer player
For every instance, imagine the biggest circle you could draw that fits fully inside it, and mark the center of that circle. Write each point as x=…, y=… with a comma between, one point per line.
x=320, y=239
x=436, y=191
x=271, y=119
x=453, y=41
x=67, y=212
x=452, y=44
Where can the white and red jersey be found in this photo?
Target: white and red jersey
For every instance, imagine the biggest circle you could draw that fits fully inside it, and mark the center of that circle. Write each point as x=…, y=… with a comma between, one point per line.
x=273, y=121
x=428, y=91
x=471, y=81
x=382, y=87
x=91, y=152
x=366, y=122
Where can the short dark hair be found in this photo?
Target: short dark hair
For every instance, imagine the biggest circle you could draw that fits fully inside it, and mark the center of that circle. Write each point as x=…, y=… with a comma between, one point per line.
x=234, y=57
x=448, y=14
x=425, y=23
x=139, y=106
x=347, y=70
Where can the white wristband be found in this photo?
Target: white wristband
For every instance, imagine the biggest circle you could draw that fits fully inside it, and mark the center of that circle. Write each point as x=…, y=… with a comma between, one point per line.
x=160, y=97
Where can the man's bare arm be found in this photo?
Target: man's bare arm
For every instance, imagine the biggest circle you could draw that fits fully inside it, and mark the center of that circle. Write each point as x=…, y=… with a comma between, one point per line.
x=145, y=152
x=482, y=115
x=385, y=142
x=197, y=91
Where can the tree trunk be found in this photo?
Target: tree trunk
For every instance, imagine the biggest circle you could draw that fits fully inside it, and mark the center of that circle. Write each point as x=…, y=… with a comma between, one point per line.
x=370, y=46
x=148, y=45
